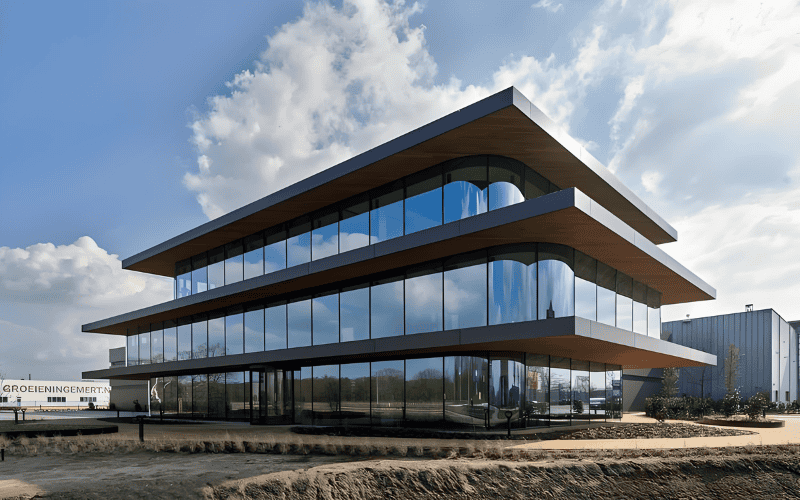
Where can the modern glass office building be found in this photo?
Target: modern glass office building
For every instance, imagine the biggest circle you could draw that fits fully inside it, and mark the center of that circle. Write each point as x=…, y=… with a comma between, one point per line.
x=479, y=268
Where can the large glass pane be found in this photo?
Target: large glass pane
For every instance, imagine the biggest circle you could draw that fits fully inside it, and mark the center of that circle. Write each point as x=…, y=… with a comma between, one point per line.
x=536, y=185
x=354, y=314
x=156, y=343
x=354, y=226
x=624, y=302
x=458, y=407
x=560, y=392
x=216, y=396
x=302, y=396
x=325, y=389
x=200, y=395
x=580, y=389
x=479, y=389
x=465, y=188
x=386, y=308
x=556, y=281
x=170, y=341
x=298, y=245
x=325, y=235
x=505, y=182
x=597, y=390
x=234, y=262
x=424, y=388
x=423, y=207
x=144, y=347
x=512, y=285
x=606, y=294
x=216, y=336
x=386, y=215
x=325, y=313
x=237, y=398
x=355, y=393
x=253, y=256
x=184, y=339
x=183, y=272
x=200, y=337
x=216, y=267
x=275, y=327
x=537, y=392
x=465, y=292
x=185, y=395
x=423, y=292
x=585, y=286
x=199, y=273
x=299, y=318
x=387, y=392
x=170, y=395
x=234, y=332
x=613, y=392
x=639, y=308
x=156, y=395
x=274, y=250
x=133, y=349
x=506, y=382
x=254, y=330
x=653, y=313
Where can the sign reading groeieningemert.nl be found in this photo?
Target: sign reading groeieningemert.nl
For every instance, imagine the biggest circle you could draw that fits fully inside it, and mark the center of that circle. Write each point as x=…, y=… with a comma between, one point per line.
x=42, y=392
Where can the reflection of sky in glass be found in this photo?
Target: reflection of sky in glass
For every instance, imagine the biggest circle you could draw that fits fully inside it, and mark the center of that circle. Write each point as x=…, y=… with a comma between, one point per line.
x=216, y=275
x=387, y=310
x=254, y=263
x=185, y=342
x=299, y=316
x=157, y=346
x=234, y=334
x=639, y=318
x=465, y=297
x=654, y=322
x=463, y=199
x=144, y=348
x=512, y=292
x=504, y=194
x=275, y=257
x=200, y=339
x=424, y=211
x=298, y=249
x=424, y=304
x=325, y=313
x=275, y=327
x=606, y=306
x=216, y=337
x=200, y=280
x=325, y=241
x=133, y=350
x=386, y=222
x=354, y=232
x=556, y=289
x=254, y=331
x=170, y=344
x=234, y=269
x=184, y=285
x=354, y=310
x=624, y=312
x=585, y=299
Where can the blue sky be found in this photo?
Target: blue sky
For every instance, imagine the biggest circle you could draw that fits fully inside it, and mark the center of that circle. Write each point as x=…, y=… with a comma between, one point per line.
x=127, y=123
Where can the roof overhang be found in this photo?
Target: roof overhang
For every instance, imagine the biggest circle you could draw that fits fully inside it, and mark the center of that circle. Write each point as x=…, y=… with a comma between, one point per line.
x=567, y=217
x=572, y=337
x=504, y=124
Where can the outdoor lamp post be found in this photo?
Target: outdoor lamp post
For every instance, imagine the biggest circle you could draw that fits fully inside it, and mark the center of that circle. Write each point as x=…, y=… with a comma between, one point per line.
x=509, y=414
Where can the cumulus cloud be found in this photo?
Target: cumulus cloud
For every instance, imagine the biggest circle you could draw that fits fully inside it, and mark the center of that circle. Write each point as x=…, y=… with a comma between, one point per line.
x=47, y=292
x=547, y=5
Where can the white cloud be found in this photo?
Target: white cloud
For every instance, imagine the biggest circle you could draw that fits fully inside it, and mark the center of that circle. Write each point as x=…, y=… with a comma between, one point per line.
x=547, y=5
x=47, y=292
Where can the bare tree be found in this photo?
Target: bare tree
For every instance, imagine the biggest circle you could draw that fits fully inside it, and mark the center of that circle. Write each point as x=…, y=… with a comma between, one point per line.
x=731, y=369
x=669, y=382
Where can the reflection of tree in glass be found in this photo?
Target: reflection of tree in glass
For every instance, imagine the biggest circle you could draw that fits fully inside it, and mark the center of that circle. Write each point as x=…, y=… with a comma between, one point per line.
x=389, y=385
x=425, y=386
x=328, y=392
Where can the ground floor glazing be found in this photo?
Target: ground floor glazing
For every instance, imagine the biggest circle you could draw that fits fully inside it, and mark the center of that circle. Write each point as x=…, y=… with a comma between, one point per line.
x=474, y=390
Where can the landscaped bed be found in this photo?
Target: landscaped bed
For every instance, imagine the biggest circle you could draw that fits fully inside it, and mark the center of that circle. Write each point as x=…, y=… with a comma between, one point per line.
x=45, y=428
x=612, y=431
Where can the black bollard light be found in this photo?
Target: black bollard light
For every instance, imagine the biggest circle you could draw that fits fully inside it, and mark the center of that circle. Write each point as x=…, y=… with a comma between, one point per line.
x=509, y=414
x=16, y=416
x=141, y=429
x=23, y=414
x=2, y=454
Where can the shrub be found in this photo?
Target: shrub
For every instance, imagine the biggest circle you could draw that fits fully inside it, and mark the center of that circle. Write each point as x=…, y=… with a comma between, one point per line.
x=756, y=406
x=577, y=406
x=731, y=403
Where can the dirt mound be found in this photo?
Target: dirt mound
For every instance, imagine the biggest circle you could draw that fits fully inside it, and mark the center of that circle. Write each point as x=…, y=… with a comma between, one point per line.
x=745, y=476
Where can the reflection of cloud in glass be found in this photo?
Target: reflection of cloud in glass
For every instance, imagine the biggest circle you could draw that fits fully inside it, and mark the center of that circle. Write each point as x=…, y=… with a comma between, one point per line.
x=512, y=292
x=325, y=242
x=298, y=249
x=504, y=194
x=387, y=309
x=424, y=304
x=465, y=297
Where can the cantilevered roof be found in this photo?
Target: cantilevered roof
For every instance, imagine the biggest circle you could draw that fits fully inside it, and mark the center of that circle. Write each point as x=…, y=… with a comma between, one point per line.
x=567, y=217
x=504, y=124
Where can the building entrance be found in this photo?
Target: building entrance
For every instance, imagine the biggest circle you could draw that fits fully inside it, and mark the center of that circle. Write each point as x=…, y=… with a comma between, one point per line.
x=271, y=396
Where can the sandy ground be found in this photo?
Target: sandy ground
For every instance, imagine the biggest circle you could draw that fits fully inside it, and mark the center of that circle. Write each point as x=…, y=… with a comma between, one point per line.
x=245, y=475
